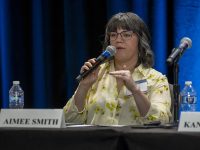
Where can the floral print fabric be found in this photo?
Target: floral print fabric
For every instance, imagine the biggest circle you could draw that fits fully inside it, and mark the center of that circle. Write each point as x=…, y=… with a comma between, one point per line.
x=106, y=106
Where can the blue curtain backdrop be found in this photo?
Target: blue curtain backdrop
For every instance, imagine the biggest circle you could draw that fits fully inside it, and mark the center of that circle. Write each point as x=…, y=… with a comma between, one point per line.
x=44, y=43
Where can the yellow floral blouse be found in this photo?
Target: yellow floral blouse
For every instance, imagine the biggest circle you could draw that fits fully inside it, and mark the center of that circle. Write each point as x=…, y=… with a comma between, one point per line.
x=105, y=106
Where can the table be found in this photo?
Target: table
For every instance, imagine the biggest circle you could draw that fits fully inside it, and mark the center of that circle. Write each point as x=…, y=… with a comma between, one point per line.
x=97, y=138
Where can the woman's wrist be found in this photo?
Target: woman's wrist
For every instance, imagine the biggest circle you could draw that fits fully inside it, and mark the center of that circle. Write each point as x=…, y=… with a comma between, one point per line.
x=135, y=90
x=84, y=87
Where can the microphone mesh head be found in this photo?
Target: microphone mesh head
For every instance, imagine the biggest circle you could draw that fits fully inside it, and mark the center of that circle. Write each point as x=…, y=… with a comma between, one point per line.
x=111, y=49
x=187, y=41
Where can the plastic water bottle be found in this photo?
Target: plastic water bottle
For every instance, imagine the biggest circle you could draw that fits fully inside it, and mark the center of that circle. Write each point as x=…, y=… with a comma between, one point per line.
x=16, y=96
x=188, y=97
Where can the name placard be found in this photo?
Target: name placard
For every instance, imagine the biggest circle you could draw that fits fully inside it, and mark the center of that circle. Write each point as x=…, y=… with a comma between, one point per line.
x=32, y=118
x=189, y=122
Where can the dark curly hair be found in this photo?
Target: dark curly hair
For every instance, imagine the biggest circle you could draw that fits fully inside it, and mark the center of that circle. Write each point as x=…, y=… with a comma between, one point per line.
x=132, y=22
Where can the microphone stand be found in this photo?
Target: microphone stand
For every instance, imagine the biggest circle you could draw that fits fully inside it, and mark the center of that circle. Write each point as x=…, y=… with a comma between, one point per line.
x=173, y=59
x=176, y=90
x=176, y=87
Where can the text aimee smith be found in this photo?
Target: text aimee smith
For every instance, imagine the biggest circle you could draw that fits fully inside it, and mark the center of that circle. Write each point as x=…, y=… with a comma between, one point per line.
x=27, y=121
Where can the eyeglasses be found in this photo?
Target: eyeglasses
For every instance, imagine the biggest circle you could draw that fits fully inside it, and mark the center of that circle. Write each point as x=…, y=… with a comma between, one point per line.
x=125, y=35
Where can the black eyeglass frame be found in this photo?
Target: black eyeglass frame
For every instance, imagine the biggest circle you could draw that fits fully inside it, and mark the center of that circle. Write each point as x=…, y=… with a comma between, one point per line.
x=124, y=35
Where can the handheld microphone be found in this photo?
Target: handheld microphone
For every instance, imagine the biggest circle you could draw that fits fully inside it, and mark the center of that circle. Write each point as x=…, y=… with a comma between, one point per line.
x=184, y=44
x=106, y=54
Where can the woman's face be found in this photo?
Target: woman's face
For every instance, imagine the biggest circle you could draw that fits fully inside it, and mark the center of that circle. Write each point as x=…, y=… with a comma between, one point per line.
x=126, y=43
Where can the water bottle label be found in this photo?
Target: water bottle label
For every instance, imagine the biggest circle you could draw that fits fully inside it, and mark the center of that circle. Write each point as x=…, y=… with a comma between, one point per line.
x=16, y=102
x=189, y=99
x=14, y=98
